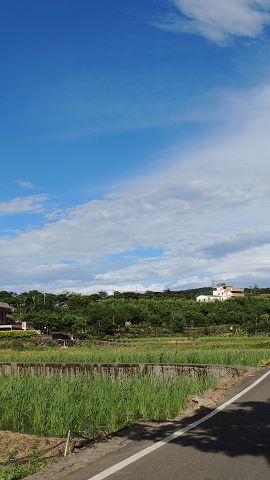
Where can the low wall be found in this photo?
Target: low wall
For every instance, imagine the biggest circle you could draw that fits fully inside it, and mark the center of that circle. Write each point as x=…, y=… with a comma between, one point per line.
x=123, y=369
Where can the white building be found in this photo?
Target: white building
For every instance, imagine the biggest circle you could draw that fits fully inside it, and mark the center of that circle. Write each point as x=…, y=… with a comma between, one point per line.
x=221, y=293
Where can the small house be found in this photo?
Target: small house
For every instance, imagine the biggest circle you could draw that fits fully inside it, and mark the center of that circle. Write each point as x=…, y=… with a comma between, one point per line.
x=5, y=313
x=7, y=322
x=221, y=293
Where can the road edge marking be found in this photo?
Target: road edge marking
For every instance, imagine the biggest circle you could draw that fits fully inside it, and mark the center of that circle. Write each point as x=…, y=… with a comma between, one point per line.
x=178, y=433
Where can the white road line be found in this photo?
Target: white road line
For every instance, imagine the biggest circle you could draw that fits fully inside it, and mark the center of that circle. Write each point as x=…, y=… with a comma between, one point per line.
x=119, y=466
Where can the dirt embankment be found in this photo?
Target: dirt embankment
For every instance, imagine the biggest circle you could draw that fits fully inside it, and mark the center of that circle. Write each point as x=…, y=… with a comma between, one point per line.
x=20, y=446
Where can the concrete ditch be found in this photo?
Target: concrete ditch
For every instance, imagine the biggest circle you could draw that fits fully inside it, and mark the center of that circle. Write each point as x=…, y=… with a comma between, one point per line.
x=125, y=369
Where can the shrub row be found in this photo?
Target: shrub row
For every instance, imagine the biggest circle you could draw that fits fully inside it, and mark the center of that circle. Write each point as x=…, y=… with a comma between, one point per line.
x=17, y=333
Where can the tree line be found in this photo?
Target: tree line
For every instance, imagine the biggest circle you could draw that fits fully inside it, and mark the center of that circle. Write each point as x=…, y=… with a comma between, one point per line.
x=100, y=314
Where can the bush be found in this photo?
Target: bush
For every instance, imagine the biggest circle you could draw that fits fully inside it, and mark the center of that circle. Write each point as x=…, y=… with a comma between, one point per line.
x=17, y=333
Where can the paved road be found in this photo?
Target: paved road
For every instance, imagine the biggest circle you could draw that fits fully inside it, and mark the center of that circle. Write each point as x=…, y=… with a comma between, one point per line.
x=232, y=445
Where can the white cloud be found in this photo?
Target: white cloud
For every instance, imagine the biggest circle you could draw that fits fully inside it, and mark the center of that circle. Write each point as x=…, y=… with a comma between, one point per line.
x=218, y=20
x=29, y=204
x=25, y=184
x=206, y=210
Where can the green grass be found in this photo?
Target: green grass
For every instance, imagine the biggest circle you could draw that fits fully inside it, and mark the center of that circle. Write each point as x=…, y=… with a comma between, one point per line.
x=229, y=354
x=150, y=340
x=55, y=398
x=170, y=340
x=14, y=470
x=17, y=333
x=52, y=405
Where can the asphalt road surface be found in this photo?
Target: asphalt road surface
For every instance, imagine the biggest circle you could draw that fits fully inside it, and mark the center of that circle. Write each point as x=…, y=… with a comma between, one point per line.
x=234, y=444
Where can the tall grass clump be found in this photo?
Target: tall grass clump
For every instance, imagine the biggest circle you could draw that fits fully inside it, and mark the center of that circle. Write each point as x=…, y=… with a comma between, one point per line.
x=52, y=405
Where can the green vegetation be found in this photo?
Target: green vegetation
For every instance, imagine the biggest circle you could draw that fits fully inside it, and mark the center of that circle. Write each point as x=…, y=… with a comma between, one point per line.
x=230, y=351
x=136, y=315
x=167, y=327
x=52, y=405
x=15, y=470
x=17, y=333
x=102, y=404
x=163, y=327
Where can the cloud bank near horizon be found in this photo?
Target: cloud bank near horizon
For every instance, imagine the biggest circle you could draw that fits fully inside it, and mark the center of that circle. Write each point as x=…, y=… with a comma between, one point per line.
x=203, y=215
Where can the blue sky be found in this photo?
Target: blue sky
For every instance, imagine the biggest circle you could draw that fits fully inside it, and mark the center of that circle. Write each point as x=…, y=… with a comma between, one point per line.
x=134, y=144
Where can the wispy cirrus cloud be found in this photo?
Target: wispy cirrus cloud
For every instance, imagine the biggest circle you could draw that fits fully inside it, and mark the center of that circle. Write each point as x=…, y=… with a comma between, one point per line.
x=25, y=184
x=217, y=20
x=28, y=204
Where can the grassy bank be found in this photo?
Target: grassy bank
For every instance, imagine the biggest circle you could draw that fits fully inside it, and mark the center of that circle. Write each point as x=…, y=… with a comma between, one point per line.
x=52, y=405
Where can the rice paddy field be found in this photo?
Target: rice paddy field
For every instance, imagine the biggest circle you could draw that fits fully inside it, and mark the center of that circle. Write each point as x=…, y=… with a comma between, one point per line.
x=91, y=406
x=251, y=351
x=53, y=405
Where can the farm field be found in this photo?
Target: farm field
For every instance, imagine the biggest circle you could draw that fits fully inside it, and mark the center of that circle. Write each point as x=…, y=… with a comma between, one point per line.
x=50, y=406
x=53, y=405
x=230, y=351
x=170, y=339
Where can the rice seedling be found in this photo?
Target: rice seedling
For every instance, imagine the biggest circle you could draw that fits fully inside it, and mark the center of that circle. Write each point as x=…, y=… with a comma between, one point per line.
x=242, y=354
x=52, y=405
